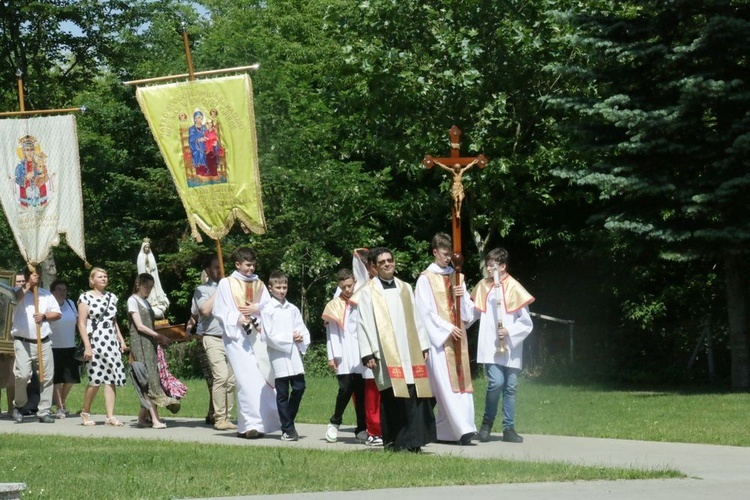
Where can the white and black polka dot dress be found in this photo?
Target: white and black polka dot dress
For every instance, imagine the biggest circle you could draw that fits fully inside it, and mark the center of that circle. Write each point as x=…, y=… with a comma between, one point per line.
x=106, y=365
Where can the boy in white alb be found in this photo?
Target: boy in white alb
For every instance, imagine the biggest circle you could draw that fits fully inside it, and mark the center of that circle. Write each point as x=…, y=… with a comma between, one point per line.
x=504, y=324
x=342, y=346
x=288, y=339
x=448, y=364
x=239, y=299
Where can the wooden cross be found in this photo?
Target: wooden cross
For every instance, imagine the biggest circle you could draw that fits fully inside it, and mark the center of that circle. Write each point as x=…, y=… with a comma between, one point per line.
x=456, y=165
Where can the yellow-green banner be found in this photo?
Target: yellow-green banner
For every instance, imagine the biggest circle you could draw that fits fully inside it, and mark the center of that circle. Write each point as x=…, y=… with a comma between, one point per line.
x=205, y=130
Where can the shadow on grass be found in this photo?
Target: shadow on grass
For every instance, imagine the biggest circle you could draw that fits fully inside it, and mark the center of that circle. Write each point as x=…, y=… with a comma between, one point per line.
x=638, y=388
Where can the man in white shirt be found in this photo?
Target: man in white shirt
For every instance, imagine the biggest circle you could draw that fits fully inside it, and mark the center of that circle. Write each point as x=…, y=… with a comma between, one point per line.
x=27, y=317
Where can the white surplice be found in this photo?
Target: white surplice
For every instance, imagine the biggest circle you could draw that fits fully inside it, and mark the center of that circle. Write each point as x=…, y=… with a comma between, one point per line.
x=256, y=398
x=519, y=326
x=455, y=413
x=280, y=321
x=369, y=339
x=342, y=344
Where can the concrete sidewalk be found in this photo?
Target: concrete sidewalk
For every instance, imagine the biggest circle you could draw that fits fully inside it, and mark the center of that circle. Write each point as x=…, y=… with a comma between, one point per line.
x=713, y=470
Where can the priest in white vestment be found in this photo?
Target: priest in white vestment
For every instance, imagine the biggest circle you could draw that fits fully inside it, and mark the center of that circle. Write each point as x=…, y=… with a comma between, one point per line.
x=394, y=344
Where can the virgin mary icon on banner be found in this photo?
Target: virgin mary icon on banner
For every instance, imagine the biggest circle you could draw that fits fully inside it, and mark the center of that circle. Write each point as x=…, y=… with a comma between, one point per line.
x=205, y=130
x=31, y=174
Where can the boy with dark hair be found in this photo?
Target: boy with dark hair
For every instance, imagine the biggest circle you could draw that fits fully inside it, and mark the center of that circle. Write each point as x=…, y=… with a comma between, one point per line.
x=238, y=302
x=440, y=296
x=503, y=307
x=288, y=339
x=340, y=319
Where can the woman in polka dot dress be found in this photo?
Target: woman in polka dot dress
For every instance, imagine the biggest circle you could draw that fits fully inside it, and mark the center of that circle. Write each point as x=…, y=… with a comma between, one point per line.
x=104, y=344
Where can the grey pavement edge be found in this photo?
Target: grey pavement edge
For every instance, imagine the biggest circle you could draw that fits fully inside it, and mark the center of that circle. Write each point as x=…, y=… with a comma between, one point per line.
x=722, y=471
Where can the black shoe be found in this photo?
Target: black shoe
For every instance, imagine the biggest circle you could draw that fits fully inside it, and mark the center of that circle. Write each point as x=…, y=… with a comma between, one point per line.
x=17, y=416
x=252, y=434
x=466, y=439
x=289, y=436
x=47, y=419
x=484, y=432
x=510, y=436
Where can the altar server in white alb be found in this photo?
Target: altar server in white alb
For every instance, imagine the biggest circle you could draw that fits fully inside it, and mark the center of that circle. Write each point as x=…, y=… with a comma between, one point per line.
x=342, y=346
x=502, y=305
x=288, y=339
x=439, y=291
x=239, y=299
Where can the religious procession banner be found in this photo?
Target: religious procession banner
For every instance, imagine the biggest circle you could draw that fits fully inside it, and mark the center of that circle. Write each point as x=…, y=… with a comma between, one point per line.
x=41, y=195
x=206, y=133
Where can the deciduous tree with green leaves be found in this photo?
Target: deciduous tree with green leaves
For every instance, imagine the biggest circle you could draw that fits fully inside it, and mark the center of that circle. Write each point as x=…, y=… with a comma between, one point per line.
x=415, y=68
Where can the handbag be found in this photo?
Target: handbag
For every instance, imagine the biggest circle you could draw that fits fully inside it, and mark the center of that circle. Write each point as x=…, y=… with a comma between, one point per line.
x=80, y=349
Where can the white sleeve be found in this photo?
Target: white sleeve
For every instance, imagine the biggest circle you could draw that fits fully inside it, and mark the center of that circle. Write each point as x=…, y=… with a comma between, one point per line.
x=334, y=346
x=275, y=337
x=520, y=327
x=226, y=310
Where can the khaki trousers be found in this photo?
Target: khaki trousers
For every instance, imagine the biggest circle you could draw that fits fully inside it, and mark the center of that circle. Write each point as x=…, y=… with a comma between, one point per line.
x=26, y=359
x=222, y=391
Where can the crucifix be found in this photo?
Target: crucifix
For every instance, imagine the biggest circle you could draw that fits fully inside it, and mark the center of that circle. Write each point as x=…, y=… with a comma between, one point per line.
x=456, y=165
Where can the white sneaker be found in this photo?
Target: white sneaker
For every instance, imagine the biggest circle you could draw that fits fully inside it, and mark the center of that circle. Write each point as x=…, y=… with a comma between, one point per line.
x=332, y=434
x=374, y=441
x=362, y=436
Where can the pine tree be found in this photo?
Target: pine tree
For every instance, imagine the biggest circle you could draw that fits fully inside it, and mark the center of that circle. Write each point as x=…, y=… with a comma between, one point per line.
x=665, y=124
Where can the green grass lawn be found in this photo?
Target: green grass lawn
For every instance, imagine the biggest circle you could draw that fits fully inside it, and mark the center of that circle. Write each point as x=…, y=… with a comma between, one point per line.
x=674, y=416
x=128, y=468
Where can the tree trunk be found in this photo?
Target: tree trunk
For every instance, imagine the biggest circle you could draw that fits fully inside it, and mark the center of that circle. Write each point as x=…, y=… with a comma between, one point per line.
x=737, y=312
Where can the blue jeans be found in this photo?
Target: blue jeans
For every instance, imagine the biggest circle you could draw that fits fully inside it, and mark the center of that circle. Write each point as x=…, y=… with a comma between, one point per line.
x=501, y=380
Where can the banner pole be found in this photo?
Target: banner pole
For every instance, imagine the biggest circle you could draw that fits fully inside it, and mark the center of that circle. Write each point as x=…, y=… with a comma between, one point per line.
x=221, y=257
x=82, y=109
x=186, y=43
x=19, y=76
x=40, y=359
x=209, y=72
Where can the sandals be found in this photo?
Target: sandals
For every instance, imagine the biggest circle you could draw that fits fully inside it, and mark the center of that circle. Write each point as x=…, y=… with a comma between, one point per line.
x=159, y=425
x=113, y=422
x=86, y=419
